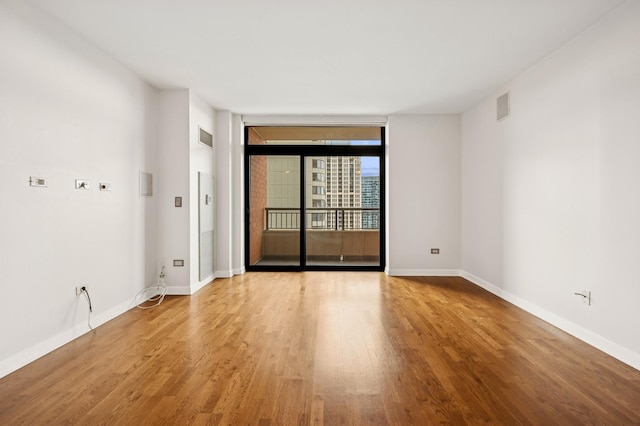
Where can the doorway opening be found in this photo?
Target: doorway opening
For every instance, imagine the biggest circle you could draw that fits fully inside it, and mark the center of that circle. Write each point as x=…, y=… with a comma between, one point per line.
x=314, y=198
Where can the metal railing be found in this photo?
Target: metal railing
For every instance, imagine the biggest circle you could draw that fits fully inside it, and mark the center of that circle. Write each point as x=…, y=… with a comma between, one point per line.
x=331, y=218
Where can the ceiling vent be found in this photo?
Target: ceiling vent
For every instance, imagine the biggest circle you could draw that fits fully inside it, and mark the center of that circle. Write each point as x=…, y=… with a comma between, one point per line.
x=206, y=137
x=502, y=107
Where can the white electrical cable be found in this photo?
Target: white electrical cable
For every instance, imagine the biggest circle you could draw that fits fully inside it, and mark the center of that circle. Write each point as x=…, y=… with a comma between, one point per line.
x=153, y=294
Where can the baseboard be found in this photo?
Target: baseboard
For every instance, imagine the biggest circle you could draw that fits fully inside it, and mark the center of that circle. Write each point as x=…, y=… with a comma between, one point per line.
x=224, y=274
x=423, y=272
x=22, y=358
x=199, y=284
x=175, y=290
x=615, y=350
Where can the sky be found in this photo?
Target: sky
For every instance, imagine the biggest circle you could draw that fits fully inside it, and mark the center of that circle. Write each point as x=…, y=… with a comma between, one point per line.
x=370, y=166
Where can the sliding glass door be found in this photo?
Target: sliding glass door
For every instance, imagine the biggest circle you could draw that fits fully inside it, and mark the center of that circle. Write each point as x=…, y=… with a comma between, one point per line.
x=314, y=204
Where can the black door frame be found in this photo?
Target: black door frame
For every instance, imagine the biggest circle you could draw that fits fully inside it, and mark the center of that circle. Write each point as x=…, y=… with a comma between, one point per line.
x=312, y=151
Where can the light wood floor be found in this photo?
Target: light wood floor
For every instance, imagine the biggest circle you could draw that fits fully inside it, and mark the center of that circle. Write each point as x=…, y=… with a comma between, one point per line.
x=325, y=348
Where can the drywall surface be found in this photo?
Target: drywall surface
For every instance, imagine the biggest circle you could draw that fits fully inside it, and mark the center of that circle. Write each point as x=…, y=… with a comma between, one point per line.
x=567, y=189
x=481, y=217
x=225, y=163
x=201, y=115
x=68, y=112
x=173, y=181
x=423, y=194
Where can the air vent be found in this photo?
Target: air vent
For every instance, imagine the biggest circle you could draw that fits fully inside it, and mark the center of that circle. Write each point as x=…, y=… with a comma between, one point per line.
x=206, y=137
x=502, y=107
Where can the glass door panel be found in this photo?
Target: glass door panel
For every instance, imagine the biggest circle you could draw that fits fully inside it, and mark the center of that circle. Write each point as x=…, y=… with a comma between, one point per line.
x=274, y=210
x=342, y=211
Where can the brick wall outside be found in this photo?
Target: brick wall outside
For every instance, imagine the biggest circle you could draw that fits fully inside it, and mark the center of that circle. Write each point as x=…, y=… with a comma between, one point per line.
x=258, y=199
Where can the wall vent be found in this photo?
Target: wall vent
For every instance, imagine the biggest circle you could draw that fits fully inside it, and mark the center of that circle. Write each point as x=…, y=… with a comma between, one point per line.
x=503, y=107
x=206, y=137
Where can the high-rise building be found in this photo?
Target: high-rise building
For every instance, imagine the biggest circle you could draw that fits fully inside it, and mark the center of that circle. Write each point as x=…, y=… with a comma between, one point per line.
x=371, y=199
x=316, y=192
x=333, y=192
x=344, y=192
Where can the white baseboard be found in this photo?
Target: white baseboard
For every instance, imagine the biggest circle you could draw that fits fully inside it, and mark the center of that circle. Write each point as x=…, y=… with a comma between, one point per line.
x=22, y=358
x=199, y=284
x=175, y=290
x=615, y=350
x=224, y=274
x=423, y=272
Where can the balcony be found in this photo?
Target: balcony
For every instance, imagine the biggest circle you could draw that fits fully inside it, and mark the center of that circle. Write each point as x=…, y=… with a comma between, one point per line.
x=333, y=235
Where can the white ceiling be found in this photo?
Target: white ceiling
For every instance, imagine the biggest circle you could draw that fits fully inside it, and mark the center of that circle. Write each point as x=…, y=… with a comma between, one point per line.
x=330, y=56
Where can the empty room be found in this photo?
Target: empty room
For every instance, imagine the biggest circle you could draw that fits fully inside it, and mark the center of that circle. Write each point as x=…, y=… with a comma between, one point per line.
x=339, y=212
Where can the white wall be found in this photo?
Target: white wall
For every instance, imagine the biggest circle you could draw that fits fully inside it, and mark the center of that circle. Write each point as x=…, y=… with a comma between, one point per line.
x=424, y=194
x=172, y=180
x=482, y=199
x=237, y=191
x=180, y=158
x=567, y=189
x=68, y=111
x=224, y=215
x=228, y=159
x=201, y=160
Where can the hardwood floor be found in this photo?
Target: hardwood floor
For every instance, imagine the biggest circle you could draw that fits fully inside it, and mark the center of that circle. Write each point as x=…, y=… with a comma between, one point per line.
x=325, y=348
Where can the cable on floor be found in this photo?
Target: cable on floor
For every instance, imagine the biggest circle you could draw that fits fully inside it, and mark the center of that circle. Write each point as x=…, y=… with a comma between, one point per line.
x=86, y=294
x=152, y=296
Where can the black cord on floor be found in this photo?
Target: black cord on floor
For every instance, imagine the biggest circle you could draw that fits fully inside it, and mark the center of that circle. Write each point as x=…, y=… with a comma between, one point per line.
x=86, y=293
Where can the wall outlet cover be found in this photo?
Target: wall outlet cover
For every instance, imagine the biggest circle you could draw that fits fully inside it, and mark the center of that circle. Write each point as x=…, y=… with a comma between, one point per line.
x=82, y=184
x=38, y=181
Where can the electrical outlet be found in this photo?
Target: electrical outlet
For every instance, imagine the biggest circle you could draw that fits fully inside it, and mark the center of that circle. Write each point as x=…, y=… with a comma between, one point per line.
x=79, y=289
x=435, y=251
x=82, y=184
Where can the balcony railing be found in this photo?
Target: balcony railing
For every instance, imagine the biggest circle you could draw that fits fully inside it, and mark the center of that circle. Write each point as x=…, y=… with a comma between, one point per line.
x=330, y=218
